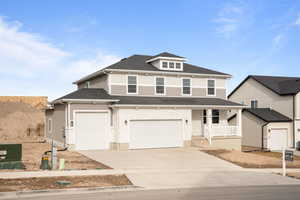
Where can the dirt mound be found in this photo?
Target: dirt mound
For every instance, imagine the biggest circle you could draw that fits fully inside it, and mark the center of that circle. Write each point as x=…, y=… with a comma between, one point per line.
x=20, y=121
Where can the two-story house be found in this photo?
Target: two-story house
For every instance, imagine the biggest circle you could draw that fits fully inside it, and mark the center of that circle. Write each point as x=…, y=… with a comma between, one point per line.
x=272, y=119
x=145, y=102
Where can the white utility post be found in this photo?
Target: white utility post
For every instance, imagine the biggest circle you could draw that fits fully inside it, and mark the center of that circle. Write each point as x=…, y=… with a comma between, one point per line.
x=209, y=124
x=283, y=162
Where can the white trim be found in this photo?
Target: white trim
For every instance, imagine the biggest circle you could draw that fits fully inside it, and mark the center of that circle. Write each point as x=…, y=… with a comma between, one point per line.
x=165, y=58
x=191, y=86
x=164, y=85
x=137, y=88
x=215, y=90
x=109, y=83
x=166, y=72
x=178, y=106
x=85, y=100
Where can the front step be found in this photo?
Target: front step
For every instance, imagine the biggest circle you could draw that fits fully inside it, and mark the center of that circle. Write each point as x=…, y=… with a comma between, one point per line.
x=199, y=141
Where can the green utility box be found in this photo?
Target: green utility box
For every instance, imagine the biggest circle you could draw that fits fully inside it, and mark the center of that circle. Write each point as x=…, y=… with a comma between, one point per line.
x=11, y=156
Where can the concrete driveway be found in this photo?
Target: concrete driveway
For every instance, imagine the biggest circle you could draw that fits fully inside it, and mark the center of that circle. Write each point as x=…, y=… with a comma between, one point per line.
x=160, y=159
x=182, y=168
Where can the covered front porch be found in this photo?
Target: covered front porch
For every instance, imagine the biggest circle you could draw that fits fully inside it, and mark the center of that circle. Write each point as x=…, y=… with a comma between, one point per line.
x=211, y=123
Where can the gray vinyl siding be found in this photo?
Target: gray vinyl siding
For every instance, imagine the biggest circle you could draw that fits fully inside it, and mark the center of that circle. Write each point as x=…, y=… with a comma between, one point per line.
x=98, y=82
x=251, y=130
x=252, y=90
x=57, y=116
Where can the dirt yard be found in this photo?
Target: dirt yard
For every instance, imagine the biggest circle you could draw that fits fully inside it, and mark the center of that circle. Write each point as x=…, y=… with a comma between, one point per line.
x=33, y=151
x=25, y=184
x=254, y=159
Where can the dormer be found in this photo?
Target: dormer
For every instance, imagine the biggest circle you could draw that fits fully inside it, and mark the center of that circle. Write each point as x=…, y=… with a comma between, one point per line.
x=167, y=61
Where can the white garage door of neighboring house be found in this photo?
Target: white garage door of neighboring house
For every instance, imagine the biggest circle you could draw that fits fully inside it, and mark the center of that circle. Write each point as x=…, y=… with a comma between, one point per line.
x=92, y=130
x=155, y=134
x=278, y=139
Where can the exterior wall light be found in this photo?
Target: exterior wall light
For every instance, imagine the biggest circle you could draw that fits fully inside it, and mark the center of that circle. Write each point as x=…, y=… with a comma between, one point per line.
x=125, y=122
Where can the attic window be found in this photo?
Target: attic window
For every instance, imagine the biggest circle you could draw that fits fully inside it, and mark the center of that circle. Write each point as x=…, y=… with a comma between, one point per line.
x=178, y=65
x=170, y=65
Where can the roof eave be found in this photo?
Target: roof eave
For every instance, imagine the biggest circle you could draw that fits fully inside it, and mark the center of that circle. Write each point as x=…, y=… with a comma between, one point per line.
x=85, y=78
x=179, y=106
x=171, y=73
x=84, y=101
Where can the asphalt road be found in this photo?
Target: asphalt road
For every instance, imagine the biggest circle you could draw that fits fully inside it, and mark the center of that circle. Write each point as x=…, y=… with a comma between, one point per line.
x=280, y=192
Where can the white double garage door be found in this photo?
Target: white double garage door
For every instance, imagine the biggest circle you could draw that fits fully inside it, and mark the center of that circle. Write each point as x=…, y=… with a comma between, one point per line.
x=92, y=131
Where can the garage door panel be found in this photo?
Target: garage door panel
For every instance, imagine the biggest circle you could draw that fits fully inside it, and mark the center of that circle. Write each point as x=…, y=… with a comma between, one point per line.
x=155, y=133
x=278, y=139
x=91, y=129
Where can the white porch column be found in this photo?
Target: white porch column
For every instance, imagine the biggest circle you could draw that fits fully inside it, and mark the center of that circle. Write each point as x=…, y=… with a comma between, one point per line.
x=209, y=124
x=239, y=122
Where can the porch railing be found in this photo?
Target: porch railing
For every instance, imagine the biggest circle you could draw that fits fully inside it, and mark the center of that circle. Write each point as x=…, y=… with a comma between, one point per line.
x=219, y=130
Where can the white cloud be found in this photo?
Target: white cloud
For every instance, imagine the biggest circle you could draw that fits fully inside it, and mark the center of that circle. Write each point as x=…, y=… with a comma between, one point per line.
x=29, y=65
x=277, y=40
x=297, y=21
x=229, y=20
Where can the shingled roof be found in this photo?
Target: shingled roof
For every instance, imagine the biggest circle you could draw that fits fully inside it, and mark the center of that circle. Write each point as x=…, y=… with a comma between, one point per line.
x=281, y=85
x=138, y=62
x=268, y=115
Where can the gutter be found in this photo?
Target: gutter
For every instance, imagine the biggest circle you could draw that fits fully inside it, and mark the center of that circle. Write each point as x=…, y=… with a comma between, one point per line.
x=176, y=106
x=85, y=100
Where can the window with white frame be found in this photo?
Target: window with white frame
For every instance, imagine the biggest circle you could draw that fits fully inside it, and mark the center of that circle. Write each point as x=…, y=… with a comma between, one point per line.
x=254, y=103
x=215, y=116
x=160, y=85
x=165, y=65
x=50, y=125
x=178, y=65
x=186, y=86
x=211, y=87
x=132, y=84
x=171, y=65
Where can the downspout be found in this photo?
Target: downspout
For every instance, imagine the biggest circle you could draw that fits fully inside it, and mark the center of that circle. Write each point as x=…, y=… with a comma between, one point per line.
x=262, y=135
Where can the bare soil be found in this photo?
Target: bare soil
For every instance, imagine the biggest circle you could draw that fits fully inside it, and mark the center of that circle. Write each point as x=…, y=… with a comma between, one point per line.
x=294, y=175
x=20, y=121
x=33, y=152
x=254, y=159
x=25, y=184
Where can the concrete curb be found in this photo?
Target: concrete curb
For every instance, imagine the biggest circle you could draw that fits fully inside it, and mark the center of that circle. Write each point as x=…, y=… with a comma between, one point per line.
x=31, y=193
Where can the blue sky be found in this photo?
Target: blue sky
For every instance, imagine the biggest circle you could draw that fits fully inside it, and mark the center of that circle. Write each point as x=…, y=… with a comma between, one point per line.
x=45, y=45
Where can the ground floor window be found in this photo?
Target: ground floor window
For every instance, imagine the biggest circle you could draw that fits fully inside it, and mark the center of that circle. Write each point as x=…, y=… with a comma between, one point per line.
x=204, y=116
x=215, y=116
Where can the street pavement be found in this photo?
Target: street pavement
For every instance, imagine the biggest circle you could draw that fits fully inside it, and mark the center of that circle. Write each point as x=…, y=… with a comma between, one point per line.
x=279, y=192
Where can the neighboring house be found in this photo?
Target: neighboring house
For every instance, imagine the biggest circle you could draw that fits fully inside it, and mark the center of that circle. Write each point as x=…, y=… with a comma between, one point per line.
x=273, y=117
x=145, y=102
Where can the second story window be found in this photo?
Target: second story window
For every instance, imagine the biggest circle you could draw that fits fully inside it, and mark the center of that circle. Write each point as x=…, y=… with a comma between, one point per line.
x=160, y=85
x=186, y=86
x=165, y=65
x=211, y=87
x=132, y=85
x=171, y=65
x=178, y=65
x=253, y=103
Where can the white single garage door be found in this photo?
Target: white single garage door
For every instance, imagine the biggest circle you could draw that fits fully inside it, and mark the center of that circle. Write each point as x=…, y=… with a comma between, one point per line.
x=155, y=134
x=278, y=139
x=92, y=130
